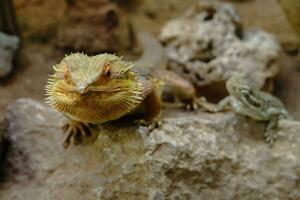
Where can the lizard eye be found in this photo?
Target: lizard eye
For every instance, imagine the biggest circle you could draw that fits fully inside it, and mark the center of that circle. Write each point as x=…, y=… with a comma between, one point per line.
x=66, y=74
x=106, y=71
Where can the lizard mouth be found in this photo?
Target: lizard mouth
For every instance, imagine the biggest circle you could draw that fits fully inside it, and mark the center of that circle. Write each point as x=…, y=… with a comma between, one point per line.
x=99, y=104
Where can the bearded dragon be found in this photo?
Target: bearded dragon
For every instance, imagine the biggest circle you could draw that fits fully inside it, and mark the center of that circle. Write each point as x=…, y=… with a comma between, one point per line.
x=101, y=88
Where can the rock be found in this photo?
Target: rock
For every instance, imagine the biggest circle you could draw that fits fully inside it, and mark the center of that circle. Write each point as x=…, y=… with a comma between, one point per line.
x=292, y=11
x=29, y=15
x=8, y=47
x=207, y=45
x=194, y=155
x=92, y=26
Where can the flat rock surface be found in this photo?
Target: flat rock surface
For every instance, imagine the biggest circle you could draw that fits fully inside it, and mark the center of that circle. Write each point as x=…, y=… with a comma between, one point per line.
x=194, y=155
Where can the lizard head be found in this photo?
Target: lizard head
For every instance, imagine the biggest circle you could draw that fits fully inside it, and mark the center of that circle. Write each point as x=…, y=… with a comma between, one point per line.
x=238, y=86
x=241, y=88
x=82, y=83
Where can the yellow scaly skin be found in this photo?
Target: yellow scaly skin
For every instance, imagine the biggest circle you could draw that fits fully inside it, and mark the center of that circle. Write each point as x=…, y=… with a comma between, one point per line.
x=97, y=89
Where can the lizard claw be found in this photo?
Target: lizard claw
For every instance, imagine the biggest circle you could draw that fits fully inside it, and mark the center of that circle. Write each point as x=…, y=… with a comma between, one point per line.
x=192, y=104
x=270, y=136
x=75, y=131
x=153, y=124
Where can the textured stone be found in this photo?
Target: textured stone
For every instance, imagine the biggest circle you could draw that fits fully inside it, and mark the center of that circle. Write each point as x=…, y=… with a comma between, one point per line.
x=92, y=26
x=8, y=47
x=194, y=155
x=207, y=45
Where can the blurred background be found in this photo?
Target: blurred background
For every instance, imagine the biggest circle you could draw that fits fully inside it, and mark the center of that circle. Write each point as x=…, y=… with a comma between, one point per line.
x=41, y=32
x=48, y=30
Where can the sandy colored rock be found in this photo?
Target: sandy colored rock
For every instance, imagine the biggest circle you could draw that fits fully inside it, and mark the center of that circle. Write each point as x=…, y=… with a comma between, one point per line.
x=207, y=45
x=92, y=26
x=38, y=19
x=292, y=11
x=193, y=156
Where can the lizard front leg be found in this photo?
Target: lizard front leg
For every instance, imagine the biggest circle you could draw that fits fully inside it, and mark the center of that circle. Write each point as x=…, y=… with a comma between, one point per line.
x=152, y=105
x=270, y=134
x=74, y=131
